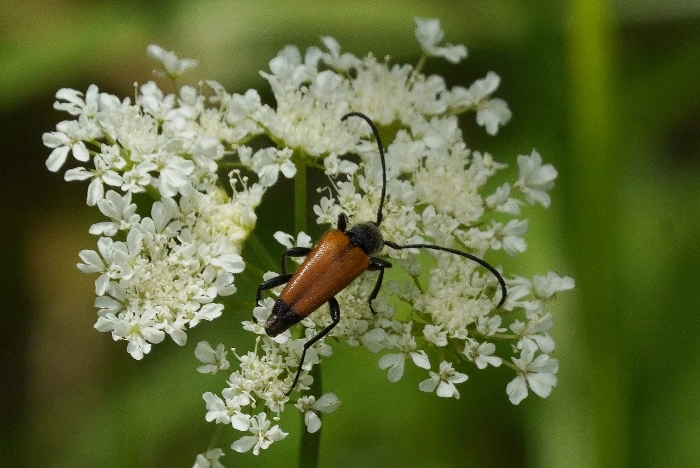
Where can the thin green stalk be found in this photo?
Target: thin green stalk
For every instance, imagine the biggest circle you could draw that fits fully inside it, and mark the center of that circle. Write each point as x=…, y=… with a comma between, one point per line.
x=300, y=199
x=310, y=443
x=261, y=252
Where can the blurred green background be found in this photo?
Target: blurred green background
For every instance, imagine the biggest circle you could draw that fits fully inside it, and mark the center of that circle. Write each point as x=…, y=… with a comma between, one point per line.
x=609, y=92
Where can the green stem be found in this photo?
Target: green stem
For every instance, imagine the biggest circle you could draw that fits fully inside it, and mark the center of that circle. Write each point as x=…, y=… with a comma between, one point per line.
x=261, y=252
x=300, y=199
x=310, y=443
x=417, y=69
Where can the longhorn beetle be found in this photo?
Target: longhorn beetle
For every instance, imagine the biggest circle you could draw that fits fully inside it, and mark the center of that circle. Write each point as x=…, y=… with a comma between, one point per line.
x=339, y=257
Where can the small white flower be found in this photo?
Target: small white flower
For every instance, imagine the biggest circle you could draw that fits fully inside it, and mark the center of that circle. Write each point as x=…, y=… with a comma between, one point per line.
x=207, y=312
x=326, y=211
x=120, y=210
x=488, y=326
x=68, y=139
x=501, y=201
x=154, y=102
x=140, y=331
x=173, y=66
x=310, y=407
x=334, y=58
x=263, y=437
x=138, y=178
x=174, y=175
x=214, y=360
x=535, y=179
x=543, y=288
x=538, y=374
x=335, y=166
x=287, y=66
x=534, y=332
x=287, y=240
x=113, y=261
x=102, y=174
x=443, y=382
x=219, y=255
x=429, y=34
x=269, y=162
x=509, y=237
x=233, y=402
x=395, y=363
x=71, y=101
x=374, y=340
x=550, y=284
x=435, y=334
x=209, y=459
x=482, y=354
x=490, y=113
x=227, y=411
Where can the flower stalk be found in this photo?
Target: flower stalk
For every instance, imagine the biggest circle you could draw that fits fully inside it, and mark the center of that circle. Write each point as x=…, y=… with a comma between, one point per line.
x=310, y=444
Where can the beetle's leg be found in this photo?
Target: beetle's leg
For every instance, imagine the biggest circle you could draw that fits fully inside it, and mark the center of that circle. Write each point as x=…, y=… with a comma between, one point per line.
x=376, y=264
x=272, y=283
x=335, y=317
x=293, y=252
x=284, y=277
x=342, y=222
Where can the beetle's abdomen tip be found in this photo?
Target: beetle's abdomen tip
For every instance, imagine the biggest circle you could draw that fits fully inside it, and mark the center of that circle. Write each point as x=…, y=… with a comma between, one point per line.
x=282, y=317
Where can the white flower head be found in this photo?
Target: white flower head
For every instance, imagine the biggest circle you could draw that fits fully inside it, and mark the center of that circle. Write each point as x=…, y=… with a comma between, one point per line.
x=178, y=177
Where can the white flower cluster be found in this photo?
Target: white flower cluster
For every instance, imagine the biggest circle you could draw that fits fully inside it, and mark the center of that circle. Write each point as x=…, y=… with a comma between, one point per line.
x=435, y=194
x=165, y=272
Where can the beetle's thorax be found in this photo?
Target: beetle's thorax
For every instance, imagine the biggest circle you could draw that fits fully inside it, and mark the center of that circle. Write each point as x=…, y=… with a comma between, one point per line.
x=367, y=237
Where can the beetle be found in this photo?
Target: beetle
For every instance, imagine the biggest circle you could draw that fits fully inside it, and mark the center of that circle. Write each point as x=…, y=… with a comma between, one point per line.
x=338, y=258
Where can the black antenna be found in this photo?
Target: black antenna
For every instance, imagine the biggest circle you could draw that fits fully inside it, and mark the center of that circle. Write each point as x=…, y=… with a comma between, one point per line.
x=471, y=257
x=381, y=156
x=396, y=246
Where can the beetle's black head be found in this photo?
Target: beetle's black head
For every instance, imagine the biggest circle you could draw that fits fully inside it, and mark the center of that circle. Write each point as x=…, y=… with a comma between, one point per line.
x=367, y=237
